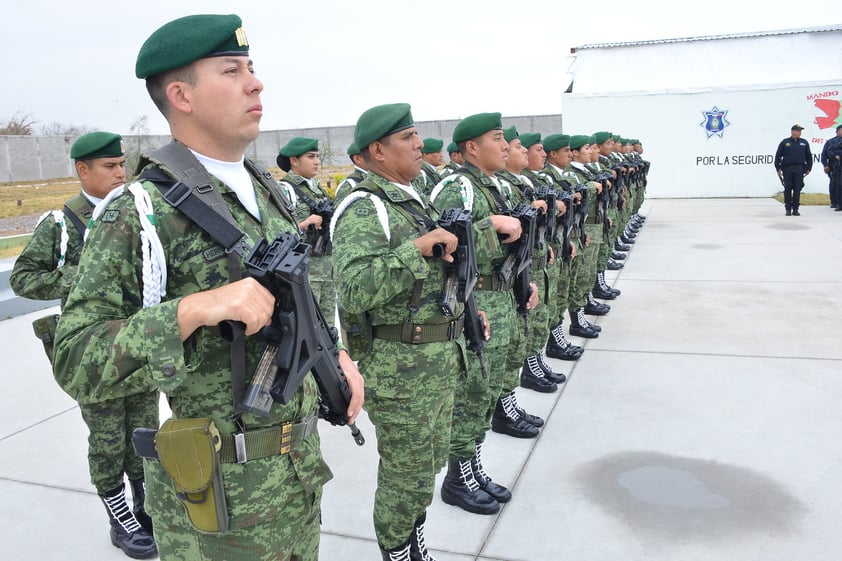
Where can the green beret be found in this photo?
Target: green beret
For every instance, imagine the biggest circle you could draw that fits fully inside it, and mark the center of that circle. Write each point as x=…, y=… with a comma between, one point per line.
x=381, y=121
x=298, y=145
x=476, y=125
x=615, y=137
x=98, y=145
x=451, y=148
x=601, y=137
x=353, y=150
x=432, y=145
x=556, y=142
x=579, y=140
x=510, y=133
x=188, y=39
x=530, y=138
x=634, y=141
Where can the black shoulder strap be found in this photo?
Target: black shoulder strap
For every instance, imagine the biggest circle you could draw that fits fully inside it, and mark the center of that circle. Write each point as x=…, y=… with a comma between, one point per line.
x=79, y=211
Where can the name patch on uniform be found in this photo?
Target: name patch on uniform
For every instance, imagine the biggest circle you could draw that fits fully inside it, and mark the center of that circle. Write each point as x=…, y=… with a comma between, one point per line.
x=213, y=253
x=110, y=216
x=392, y=194
x=362, y=212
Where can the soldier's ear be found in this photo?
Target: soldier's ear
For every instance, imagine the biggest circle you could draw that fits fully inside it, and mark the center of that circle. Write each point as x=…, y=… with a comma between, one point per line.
x=82, y=169
x=375, y=149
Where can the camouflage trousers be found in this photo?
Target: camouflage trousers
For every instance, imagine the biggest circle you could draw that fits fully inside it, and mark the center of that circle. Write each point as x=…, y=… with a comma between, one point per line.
x=582, y=284
x=274, y=515
x=474, y=400
x=565, y=274
x=325, y=294
x=110, y=425
x=409, y=399
x=607, y=247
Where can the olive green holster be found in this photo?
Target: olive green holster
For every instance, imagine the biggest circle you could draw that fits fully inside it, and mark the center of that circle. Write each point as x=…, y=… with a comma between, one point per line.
x=45, y=330
x=189, y=452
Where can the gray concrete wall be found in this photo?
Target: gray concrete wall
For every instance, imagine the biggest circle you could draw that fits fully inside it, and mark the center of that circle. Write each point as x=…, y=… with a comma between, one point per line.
x=30, y=158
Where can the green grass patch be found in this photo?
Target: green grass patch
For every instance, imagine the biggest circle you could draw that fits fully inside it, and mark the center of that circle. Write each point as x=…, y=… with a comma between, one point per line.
x=21, y=199
x=808, y=199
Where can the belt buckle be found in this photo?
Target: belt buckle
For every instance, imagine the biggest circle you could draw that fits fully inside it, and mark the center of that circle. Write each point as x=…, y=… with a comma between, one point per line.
x=286, y=438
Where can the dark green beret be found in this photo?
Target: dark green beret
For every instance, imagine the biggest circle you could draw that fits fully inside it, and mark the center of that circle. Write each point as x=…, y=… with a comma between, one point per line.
x=451, y=148
x=476, y=125
x=601, y=137
x=510, y=133
x=353, y=150
x=98, y=145
x=615, y=137
x=381, y=121
x=299, y=145
x=634, y=141
x=530, y=138
x=432, y=145
x=188, y=39
x=556, y=142
x=579, y=140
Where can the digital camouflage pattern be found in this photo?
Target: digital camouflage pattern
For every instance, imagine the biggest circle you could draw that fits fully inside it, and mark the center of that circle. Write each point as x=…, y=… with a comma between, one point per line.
x=409, y=388
x=111, y=422
x=448, y=168
x=431, y=177
x=321, y=267
x=112, y=347
x=474, y=403
x=585, y=273
x=345, y=186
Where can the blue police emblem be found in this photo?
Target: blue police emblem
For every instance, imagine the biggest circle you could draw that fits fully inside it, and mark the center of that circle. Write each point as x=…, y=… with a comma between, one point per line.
x=715, y=121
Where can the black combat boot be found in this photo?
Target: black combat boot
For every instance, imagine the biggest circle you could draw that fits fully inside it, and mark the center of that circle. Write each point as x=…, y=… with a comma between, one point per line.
x=549, y=374
x=614, y=265
x=533, y=420
x=594, y=308
x=507, y=420
x=532, y=376
x=460, y=488
x=138, y=501
x=559, y=347
x=604, y=286
x=602, y=290
x=400, y=553
x=628, y=238
x=620, y=246
x=126, y=531
x=618, y=256
x=580, y=326
x=500, y=493
x=417, y=547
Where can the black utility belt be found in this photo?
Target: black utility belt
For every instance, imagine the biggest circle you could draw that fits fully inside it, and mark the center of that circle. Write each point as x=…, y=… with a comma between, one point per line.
x=793, y=165
x=493, y=283
x=417, y=334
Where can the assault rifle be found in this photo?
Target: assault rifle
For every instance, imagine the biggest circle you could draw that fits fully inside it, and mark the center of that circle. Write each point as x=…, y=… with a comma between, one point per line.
x=462, y=277
x=581, y=210
x=298, y=338
x=517, y=264
x=547, y=221
x=566, y=223
x=319, y=240
x=603, y=200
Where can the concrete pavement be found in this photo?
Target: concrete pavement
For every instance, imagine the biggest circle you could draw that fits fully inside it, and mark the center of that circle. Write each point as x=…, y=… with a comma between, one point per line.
x=702, y=424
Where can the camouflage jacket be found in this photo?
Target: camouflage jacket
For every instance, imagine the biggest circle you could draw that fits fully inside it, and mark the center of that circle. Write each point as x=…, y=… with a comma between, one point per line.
x=349, y=183
x=377, y=265
x=587, y=176
x=110, y=346
x=468, y=188
x=523, y=191
x=321, y=266
x=36, y=273
x=448, y=168
x=431, y=176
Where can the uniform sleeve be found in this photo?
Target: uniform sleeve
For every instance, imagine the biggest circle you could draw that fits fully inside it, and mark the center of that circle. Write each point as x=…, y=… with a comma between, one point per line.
x=107, y=344
x=35, y=274
x=779, y=155
x=369, y=272
x=809, y=162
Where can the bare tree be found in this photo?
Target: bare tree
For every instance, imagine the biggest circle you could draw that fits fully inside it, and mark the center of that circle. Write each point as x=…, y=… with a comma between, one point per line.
x=138, y=144
x=64, y=129
x=19, y=124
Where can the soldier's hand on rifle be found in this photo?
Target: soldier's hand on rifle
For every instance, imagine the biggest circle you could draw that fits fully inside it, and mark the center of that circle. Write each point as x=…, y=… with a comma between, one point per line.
x=355, y=383
x=533, y=296
x=572, y=250
x=246, y=301
x=313, y=220
x=486, y=327
x=577, y=197
x=506, y=226
x=428, y=241
x=540, y=205
x=598, y=186
x=587, y=239
x=550, y=255
x=780, y=173
x=562, y=208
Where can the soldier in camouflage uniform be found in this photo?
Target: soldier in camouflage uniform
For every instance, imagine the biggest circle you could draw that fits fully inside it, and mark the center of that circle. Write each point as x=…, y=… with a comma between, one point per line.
x=473, y=187
x=133, y=323
x=602, y=163
x=456, y=160
x=558, y=272
x=300, y=159
x=385, y=233
x=355, y=177
x=45, y=270
x=433, y=158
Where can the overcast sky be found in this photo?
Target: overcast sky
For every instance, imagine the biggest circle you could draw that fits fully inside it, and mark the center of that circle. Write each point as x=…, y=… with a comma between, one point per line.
x=324, y=62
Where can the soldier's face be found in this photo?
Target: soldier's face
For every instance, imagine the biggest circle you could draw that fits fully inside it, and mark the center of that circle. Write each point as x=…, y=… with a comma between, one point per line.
x=100, y=175
x=456, y=157
x=517, y=156
x=796, y=134
x=561, y=157
x=435, y=159
x=225, y=100
x=491, y=151
x=605, y=148
x=594, y=153
x=401, y=154
x=536, y=157
x=306, y=165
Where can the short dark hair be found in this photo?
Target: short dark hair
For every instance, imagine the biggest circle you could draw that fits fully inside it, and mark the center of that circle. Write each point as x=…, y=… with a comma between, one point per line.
x=157, y=84
x=839, y=127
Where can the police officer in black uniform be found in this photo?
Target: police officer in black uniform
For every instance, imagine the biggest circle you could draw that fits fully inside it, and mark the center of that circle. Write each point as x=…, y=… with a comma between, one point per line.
x=793, y=161
x=831, y=160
